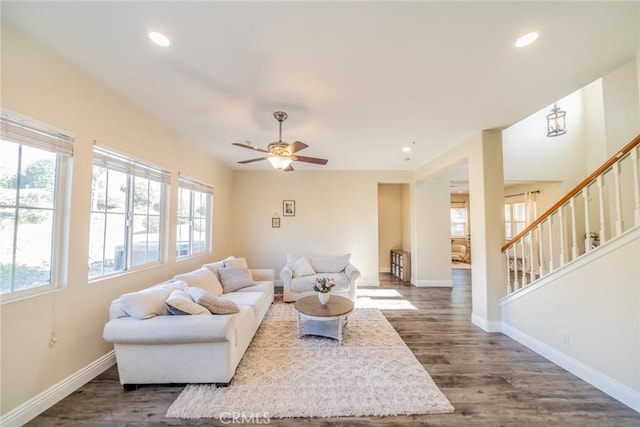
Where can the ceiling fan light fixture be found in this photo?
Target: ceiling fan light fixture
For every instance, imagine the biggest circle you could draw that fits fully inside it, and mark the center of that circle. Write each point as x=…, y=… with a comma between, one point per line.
x=279, y=162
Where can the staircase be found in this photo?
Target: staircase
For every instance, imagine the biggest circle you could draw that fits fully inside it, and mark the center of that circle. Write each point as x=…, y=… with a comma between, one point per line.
x=602, y=208
x=573, y=287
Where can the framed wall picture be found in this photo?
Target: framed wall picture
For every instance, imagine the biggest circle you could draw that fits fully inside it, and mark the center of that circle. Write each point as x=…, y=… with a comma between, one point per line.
x=288, y=208
x=275, y=221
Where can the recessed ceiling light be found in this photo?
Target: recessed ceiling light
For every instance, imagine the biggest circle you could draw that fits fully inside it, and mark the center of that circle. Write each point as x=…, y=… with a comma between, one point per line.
x=406, y=149
x=159, y=39
x=527, y=39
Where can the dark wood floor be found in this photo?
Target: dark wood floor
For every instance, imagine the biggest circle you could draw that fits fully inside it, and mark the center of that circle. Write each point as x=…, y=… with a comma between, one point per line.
x=490, y=379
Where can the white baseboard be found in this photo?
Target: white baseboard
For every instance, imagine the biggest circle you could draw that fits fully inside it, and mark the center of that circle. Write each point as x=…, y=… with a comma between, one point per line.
x=368, y=283
x=613, y=388
x=486, y=325
x=432, y=283
x=384, y=270
x=45, y=400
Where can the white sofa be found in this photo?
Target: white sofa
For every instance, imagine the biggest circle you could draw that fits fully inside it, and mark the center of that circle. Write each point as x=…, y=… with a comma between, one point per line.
x=300, y=272
x=153, y=346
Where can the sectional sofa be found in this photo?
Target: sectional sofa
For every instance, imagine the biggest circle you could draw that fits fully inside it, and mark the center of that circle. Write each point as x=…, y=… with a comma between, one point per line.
x=192, y=329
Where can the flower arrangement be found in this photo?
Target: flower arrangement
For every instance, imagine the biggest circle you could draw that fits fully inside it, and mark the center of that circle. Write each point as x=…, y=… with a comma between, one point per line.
x=323, y=284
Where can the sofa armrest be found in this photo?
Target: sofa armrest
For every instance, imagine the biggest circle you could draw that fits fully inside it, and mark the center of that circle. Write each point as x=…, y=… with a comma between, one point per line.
x=352, y=273
x=286, y=274
x=263, y=274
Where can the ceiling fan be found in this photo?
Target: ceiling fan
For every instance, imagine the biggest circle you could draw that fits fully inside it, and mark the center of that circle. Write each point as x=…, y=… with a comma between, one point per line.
x=280, y=154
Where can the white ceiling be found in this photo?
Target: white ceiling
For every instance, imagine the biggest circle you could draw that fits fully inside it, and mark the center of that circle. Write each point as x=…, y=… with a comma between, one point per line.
x=359, y=80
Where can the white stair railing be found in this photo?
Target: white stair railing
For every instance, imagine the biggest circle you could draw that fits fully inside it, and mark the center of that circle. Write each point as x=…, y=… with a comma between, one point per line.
x=531, y=255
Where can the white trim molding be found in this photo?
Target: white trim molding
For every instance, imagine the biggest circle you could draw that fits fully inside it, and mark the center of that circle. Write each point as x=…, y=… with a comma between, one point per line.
x=432, y=283
x=368, y=283
x=45, y=400
x=486, y=324
x=384, y=270
x=613, y=388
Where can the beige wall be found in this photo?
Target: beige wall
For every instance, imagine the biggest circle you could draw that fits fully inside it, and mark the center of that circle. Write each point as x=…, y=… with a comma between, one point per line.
x=41, y=86
x=389, y=223
x=394, y=221
x=406, y=200
x=336, y=213
x=598, y=306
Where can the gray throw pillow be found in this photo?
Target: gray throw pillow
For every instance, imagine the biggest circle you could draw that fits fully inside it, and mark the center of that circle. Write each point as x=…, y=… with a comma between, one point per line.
x=234, y=278
x=211, y=302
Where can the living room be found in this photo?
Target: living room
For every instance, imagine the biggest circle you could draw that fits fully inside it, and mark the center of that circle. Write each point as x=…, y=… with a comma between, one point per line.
x=54, y=339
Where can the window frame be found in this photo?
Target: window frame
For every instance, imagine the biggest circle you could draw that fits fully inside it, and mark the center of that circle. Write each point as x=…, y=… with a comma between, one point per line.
x=27, y=132
x=193, y=186
x=465, y=223
x=511, y=219
x=132, y=168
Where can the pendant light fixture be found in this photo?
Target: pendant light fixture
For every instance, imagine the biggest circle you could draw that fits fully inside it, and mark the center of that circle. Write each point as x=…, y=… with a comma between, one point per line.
x=556, y=122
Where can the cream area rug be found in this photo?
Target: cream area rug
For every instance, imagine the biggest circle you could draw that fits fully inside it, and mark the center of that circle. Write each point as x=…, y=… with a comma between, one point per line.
x=281, y=376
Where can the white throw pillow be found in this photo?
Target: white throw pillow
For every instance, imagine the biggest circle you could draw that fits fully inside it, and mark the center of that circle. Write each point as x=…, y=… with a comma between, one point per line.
x=146, y=303
x=234, y=278
x=236, y=262
x=302, y=267
x=180, y=302
x=212, y=303
x=202, y=278
x=330, y=264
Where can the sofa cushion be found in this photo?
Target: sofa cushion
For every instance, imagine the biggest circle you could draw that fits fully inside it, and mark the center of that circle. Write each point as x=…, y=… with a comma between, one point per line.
x=302, y=267
x=145, y=304
x=234, y=278
x=211, y=302
x=180, y=302
x=330, y=264
x=172, y=329
x=202, y=278
x=254, y=300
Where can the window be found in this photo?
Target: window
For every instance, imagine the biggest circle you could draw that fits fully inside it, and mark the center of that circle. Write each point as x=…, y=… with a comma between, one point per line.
x=194, y=217
x=459, y=219
x=33, y=193
x=127, y=206
x=514, y=219
x=458, y=222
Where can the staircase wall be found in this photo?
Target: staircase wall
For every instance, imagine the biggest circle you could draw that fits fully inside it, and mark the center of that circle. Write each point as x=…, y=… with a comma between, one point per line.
x=586, y=318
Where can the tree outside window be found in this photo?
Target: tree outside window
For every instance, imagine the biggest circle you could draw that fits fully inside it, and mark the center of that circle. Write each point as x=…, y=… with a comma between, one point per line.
x=32, y=192
x=126, y=214
x=193, y=221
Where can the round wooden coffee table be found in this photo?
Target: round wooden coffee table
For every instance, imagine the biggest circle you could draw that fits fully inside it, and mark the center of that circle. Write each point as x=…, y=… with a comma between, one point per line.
x=323, y=320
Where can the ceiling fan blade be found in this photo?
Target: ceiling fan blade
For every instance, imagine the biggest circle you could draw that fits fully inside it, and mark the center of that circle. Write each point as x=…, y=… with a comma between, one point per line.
x=253, y=160
x=288, y=168
x=296, y=146
x=310, y=160
x=251, y=147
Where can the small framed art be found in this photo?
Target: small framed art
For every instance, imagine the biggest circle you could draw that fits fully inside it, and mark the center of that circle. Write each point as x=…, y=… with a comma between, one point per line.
x=288, y=208
x=275, y=221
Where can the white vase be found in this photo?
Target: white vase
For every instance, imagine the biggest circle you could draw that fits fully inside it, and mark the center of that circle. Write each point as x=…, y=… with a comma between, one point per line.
x=323, y=297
